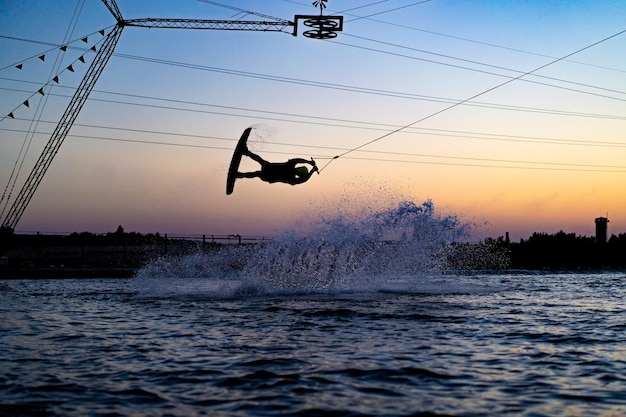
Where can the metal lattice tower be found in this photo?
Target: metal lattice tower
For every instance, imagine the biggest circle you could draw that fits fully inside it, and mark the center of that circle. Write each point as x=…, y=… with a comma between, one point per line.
x=62, y=129
x=320, y=23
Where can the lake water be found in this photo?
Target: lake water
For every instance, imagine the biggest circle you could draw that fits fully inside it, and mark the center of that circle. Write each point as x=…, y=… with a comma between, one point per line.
x=335, y=323
x=526, y=344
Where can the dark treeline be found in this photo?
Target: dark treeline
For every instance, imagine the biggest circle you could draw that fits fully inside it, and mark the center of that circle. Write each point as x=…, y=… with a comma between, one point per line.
x=113, y=250
x=117, y=249
x=562, y=251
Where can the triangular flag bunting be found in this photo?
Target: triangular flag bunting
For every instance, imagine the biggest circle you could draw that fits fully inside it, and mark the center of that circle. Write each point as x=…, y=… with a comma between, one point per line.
x=19, y=66
x=56, y=79
x=70, y=68
x=11, y=115
x=102, y=32
x=63, y=48
x=93, y=48
x=82, y=59
x=26, y=103
x=40, y=91
x=42, y=57
x=85, y=39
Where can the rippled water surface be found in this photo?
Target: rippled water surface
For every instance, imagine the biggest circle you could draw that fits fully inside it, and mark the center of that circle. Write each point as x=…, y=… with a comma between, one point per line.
x=524, y=344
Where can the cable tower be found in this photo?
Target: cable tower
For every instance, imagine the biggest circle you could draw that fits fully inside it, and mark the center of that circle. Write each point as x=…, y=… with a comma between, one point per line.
x=323, y=27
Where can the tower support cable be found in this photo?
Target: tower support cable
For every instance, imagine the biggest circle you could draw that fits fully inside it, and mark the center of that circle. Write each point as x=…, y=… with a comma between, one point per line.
x=62, y=129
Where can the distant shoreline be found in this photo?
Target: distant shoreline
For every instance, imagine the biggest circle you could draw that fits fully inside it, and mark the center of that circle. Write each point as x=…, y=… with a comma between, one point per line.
x=121, y=254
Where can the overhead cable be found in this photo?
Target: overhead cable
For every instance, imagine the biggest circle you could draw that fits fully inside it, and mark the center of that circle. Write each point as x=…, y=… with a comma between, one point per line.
x=476, y=95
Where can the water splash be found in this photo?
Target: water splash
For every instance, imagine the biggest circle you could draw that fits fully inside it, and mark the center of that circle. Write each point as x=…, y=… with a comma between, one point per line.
x=386, y=249
x=261, y=133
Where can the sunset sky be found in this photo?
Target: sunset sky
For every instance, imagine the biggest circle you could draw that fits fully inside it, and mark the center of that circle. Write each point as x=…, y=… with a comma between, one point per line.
x=545, y=151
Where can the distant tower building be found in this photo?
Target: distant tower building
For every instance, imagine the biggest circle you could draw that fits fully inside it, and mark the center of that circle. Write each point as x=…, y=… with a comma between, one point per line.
x=601, y=226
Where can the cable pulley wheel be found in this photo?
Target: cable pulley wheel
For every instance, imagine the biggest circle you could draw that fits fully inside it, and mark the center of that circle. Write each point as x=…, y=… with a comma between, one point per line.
x=324, y=28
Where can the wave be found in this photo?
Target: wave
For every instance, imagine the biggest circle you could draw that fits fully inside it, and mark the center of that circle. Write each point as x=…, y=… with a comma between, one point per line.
x=396, y=249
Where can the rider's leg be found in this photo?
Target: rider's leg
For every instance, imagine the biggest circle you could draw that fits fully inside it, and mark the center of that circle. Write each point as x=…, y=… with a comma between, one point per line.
x=249, y=174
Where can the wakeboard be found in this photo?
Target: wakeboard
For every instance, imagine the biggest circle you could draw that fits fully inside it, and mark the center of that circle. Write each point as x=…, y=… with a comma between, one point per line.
x=234, y=163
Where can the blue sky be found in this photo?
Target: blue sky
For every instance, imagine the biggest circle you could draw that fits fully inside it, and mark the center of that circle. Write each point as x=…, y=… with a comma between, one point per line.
x=150, y=148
